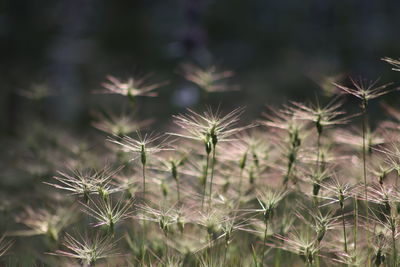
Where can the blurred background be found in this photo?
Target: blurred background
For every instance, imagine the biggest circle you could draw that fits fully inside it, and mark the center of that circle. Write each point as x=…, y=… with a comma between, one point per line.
x=278, y=50
x=55, y=53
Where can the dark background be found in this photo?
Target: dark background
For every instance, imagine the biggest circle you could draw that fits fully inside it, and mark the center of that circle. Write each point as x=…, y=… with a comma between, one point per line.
x=279, y=50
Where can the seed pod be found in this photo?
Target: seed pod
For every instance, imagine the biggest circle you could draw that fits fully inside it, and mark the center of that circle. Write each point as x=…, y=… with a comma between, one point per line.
x=181, y=224
x=208, y=145
x=164, y=189
x=321, y=233
x=174, y=171
x=341, y=199
x=226, y=186
x=242, y=162
x=316, y=188
x=251, y=175
x=318, y=125
x=143, y=154
x=379, y=258
x=103, y=193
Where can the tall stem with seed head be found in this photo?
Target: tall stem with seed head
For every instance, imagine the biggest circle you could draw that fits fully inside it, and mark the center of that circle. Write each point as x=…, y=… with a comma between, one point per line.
x=144, y=161
x=364, y=152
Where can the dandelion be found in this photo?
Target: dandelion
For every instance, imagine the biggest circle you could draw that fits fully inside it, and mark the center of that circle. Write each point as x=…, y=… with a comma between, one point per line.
x=210, y=79
x=88, y=250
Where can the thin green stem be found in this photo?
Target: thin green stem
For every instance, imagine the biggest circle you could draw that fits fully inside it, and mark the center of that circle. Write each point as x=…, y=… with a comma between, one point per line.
x=205, y=180
x=225, y=252
x=265, y=240
x=344, y=232
x=355, y=224
x=178, y=191
x=240, y=183
x=394, y=247
x=166, y=247
x=212, y=174
x=144, y=232
x=364, y=122
x=144, y=180
x=277, y=260
x=318, y=151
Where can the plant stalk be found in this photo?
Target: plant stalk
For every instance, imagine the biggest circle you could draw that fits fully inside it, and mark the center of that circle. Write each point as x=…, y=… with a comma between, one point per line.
x=212, y=174
x=205, y=179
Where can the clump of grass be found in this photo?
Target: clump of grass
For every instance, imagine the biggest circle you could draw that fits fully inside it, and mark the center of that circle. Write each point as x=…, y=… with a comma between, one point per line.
x=210, y=129
x=307, y=171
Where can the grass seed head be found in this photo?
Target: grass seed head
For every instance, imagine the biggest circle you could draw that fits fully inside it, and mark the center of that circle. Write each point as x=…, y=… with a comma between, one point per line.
x=87, y=249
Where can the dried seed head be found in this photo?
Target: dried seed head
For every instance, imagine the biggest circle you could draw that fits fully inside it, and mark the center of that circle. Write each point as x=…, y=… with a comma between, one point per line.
x=365, y=90
x=106, y=213
x=209, y=128
x=87, y=182
x=133, y=87
x=88, y=249
x=394, y=62
x=210, y=79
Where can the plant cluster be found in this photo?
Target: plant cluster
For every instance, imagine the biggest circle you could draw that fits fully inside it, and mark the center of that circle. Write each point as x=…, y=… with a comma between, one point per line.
x=306, y=185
